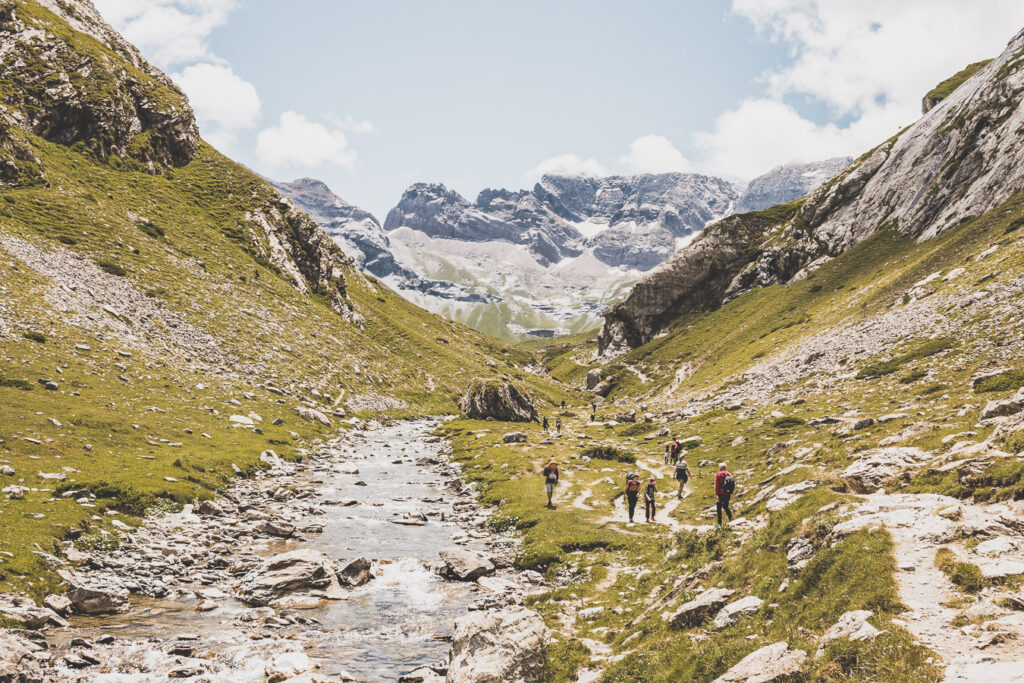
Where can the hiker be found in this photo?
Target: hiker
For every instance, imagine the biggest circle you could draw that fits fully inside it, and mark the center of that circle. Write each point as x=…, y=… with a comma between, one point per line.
x=550, y=479
x=632, y=493
x=682, y=475
x=677, y=448
x=649, y=491
x=545, y=425
x=668, y=452
x=563, y=403
x=558, y=426
x=593, y=417
x=724, y=486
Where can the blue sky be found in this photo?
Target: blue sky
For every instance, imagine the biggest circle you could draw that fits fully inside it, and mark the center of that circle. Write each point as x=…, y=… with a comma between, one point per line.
x=372, y=96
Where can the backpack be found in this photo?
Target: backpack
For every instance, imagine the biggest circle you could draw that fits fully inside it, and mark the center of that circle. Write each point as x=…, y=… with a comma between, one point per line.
x=728, y=485
x=552, y=474
x=633, y=485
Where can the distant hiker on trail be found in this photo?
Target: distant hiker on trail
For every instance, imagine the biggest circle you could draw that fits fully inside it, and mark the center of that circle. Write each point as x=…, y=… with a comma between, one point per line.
x=668, y=452
x=545, y=425
x=632, y=493
x=677, y=448
x=563, y=403
x=724, y=486
x=649, y=492
x=682, y=476
x=558, y=426
x=550, y=479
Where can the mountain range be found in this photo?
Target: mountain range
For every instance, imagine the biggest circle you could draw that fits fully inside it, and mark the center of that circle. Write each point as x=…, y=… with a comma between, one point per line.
x=543, y=261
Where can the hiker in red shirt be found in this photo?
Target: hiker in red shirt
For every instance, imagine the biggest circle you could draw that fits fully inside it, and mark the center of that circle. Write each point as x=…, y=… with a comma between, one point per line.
x=724, y=486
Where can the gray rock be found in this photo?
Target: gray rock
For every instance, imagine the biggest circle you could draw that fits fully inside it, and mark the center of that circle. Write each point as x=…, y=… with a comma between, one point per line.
x=17, y=659
x=851, y=626
x=462, y=564
x=24, y=609
x=593, y=377
x=356, y=573
x=279, y=528
x=788, y=182
x=770, y=663
x=296, y=571
x=58, y=603
x=498, y=646
x=728, y=614
x=1005, y=407
x=93, y=595
x=313, y=415
x=700, y=609
x=514, y=437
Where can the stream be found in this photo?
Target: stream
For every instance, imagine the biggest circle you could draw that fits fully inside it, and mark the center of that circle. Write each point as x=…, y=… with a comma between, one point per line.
x=398, y=510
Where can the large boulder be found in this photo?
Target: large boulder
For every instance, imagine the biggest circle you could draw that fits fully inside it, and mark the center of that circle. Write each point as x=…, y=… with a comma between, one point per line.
x=770, y=663
x=498, y=646
x=851, y=626
x=356, y=573
x=17, y=661
x=698, y=610
x=875, y=467
x=593, y=378
x=91, y=595
x=497, y=399
x=462, y=564
x=297, y=571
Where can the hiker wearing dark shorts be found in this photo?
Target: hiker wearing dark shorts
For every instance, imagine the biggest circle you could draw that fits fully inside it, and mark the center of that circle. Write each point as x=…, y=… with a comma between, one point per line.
x=724, y=486
x=545, y=425
x=682, y=476
x=550, y=479
x=649, y=492
x=632, y=493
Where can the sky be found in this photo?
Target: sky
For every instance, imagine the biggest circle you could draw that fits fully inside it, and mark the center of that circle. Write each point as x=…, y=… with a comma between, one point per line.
x=373, y=96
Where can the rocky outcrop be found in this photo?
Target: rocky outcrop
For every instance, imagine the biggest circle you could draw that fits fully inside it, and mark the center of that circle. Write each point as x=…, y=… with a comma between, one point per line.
x=17, y=659
x=788, y=182
x=294, y=244
x=957, y=162
x=734, y=610
x=695, y=278
x=95, y=90
x=498, y=400
x=498, y=646
x=771, y=663
x=874, y=468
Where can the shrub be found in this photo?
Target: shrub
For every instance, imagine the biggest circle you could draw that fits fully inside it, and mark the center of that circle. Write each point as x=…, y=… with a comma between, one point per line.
x=913, y=376
x=151, y=229
x=887, y=367
x=15, y=383
x=964, y=574
x=37, y=337
x=112, y=268
x=788, y=422
x=1011, y=380
x=609, y=453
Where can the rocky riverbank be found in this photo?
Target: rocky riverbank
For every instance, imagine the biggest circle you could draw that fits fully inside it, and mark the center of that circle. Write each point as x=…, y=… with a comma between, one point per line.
x=360, y=562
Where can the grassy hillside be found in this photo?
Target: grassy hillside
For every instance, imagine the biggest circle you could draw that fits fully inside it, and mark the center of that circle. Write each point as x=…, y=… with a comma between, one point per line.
x=943, y=89
x=162, y=300
x=788, y=384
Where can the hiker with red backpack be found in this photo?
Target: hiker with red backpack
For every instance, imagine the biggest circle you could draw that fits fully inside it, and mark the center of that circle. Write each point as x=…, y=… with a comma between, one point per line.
x=724, y=486
x=632, y=493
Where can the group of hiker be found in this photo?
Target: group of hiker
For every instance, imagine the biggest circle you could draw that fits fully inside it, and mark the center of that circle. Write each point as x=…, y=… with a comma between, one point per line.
x=724, y=486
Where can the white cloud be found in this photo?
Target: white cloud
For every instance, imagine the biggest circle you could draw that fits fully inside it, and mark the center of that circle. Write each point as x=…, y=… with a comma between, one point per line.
x=654, y=154
x=298, y=142
x=168, y=31
x=870, y=61
x=353, y=125
x=224, y=102
x=566, y=165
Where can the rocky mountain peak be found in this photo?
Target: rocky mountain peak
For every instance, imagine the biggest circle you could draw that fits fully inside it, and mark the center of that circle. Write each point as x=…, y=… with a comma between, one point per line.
x=89, y=87
x=957, y=162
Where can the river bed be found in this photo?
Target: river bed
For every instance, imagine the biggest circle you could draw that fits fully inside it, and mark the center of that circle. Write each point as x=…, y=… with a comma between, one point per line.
x=400, y=620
